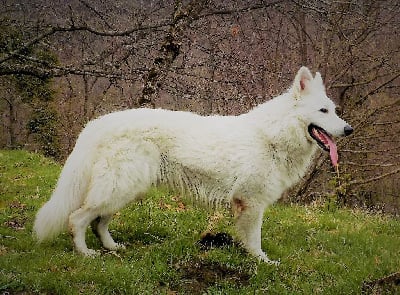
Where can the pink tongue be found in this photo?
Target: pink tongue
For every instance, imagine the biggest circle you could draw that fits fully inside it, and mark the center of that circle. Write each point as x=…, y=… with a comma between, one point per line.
x=333, y=152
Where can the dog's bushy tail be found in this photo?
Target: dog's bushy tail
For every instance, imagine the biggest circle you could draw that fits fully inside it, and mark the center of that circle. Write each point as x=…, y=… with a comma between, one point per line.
x=52, y=218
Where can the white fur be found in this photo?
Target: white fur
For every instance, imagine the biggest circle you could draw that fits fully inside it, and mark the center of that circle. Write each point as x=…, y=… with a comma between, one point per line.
x=244, y=161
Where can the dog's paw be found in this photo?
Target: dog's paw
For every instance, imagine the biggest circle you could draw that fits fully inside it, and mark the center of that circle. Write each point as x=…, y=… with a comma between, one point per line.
x=118, y=246
x=264, y=258
x=113, y=246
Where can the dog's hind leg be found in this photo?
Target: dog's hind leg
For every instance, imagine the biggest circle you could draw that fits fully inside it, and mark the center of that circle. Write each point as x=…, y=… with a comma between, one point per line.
x=124, y=176
x=79, y=220
x=97, y=211
x=101, y=228
x=248, y=226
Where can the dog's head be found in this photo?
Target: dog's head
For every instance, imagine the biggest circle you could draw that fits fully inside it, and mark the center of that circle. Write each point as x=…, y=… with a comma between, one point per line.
x=318, y=112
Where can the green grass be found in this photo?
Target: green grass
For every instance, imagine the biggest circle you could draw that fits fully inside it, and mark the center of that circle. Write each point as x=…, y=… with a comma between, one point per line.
x=321, y=251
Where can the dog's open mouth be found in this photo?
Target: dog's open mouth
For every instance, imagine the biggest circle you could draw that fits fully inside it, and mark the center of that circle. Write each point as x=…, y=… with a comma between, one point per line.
x=325, y=141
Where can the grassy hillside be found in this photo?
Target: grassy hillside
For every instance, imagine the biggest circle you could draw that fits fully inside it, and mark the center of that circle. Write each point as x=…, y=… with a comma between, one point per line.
x=326, y=252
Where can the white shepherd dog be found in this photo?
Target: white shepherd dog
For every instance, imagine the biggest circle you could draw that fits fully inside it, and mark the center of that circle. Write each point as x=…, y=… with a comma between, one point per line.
x=245, y=161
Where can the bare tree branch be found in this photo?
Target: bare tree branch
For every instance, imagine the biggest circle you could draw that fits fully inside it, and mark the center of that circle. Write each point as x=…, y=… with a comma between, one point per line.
x=75, y=28
x=240, y=10
x=375, y=178
x=43, y=69
x=376, y=89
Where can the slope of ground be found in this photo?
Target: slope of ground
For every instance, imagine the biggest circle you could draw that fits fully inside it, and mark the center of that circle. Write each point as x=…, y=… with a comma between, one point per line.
x=335, y=251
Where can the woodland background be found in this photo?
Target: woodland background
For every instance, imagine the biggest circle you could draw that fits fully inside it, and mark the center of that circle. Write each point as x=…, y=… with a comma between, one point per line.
x=63, y=63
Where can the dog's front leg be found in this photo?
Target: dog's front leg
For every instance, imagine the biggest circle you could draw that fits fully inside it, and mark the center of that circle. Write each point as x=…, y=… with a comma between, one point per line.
x=248, y=226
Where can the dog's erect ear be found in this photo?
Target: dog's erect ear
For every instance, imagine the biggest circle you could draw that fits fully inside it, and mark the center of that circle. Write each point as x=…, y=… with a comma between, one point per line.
x=301, y=82
x=318, y=77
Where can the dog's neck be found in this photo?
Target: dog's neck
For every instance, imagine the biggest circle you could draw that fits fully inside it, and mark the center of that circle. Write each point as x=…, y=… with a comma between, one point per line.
x=283, y=134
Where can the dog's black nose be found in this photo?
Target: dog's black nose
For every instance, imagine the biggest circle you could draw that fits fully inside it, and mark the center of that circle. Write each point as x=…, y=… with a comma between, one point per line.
x=348, y=130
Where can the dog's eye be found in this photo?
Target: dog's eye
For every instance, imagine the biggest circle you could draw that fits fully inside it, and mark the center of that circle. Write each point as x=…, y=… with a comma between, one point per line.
x=323, y=110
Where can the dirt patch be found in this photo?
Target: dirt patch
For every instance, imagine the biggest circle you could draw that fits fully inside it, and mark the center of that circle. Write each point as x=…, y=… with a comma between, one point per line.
x=220, y=240
x=386, y=285
x=198, y=276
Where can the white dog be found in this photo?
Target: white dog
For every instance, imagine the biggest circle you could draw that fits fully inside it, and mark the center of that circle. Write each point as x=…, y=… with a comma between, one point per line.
x=245, y=161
